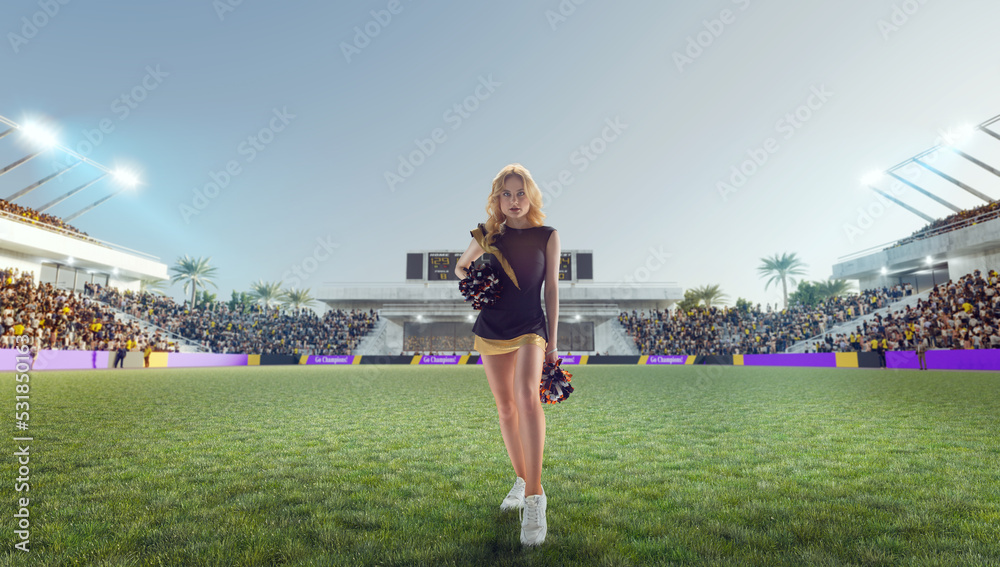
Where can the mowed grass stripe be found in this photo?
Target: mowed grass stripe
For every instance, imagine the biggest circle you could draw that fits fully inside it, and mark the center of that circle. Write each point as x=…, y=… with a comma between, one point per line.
x=401, y=465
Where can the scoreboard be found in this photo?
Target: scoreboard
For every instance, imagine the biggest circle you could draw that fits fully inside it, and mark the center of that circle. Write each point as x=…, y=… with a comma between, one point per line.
x=441, y=266
x=565, y=266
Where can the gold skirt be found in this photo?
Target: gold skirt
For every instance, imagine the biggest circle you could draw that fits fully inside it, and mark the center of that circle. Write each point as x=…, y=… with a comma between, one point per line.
x=503, y=346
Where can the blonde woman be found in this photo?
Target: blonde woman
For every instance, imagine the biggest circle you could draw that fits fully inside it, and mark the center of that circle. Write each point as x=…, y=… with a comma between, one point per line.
x=513, y=336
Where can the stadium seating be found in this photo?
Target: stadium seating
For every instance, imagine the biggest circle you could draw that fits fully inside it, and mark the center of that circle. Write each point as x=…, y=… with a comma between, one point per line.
x=962, y=314
x=61, y=319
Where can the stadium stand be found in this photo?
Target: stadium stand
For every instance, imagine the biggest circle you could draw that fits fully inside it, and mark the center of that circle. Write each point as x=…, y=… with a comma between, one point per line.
x=962, y=314
x=41, y=220
x=101, y=317
x=956, y=221
x=247, y=329
x=60, y=319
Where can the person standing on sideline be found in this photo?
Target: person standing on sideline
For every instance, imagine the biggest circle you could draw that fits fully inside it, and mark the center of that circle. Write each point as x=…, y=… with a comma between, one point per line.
x=921, y=348
x=146, y=352
x=120, y=355
x=513, y=336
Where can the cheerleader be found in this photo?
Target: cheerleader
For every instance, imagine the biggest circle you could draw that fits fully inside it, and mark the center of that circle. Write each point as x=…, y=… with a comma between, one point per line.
x=512, y=334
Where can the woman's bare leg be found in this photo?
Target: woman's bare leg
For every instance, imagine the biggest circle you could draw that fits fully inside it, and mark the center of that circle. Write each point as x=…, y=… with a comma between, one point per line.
x=500, y=375
x=531, y=418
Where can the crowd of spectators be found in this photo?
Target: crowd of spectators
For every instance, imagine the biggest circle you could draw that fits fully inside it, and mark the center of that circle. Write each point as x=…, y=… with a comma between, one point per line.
x=29, y=215
x=60, y=319
x=52, y=318
x=963, y=314
x=437, y=343
x=956, y=221
x=752, y=330
x=246, y=328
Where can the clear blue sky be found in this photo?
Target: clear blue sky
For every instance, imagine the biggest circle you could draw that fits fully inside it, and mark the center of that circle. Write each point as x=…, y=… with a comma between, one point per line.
x=883, y=78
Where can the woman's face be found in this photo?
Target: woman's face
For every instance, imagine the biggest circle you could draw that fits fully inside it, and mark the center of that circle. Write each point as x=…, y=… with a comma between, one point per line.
x=514, y=199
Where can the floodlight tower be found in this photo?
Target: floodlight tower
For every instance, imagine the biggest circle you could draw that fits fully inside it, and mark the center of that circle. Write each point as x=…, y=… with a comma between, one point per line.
x=44, y=139
x=126, y=179
x=40, y=138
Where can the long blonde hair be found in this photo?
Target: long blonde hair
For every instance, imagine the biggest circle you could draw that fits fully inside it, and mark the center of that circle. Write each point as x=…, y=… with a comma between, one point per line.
x=494, y=222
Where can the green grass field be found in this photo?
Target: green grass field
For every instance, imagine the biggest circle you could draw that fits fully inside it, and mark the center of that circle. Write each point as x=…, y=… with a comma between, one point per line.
x=401, y=465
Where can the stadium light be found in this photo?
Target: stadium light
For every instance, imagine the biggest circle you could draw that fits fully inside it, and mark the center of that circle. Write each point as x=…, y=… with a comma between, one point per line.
x=70, y=260
x=39, y=136
x=930, y=260
x=872, y=177
x=885, y=270
x=126, y=178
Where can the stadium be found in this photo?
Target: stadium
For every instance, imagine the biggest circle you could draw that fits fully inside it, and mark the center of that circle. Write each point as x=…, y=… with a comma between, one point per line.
x=335, y=409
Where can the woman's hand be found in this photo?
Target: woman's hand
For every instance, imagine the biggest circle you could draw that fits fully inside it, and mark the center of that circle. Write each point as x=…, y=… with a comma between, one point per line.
x=552, y=357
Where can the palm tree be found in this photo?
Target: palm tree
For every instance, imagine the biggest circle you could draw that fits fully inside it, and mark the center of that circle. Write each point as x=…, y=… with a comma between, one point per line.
x=779, y=268
x=297, y=298
x=834, y=288
x=206, y=299
x=711, y=294
x=152, y=286
x=266, y=292
x=194, y=272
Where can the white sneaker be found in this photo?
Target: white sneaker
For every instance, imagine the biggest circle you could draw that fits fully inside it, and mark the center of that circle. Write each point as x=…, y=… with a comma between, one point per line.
x=515, y=498
x=533, y=525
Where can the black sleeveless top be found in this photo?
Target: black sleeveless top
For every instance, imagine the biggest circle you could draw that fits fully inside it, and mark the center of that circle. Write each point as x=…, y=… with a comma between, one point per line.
x=518, y=311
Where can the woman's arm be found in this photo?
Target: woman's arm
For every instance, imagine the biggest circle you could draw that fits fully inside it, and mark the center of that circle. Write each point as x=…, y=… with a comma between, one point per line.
x=552, y=251
x=471, y=254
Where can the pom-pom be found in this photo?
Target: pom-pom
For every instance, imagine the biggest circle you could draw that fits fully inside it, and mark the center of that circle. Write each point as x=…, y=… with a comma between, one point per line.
x=481, y=286
x=555, y=386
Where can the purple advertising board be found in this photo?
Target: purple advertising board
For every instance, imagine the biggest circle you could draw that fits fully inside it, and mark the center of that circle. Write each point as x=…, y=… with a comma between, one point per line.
x=330, y=359
x=903, y=359
x=822, y=359
x=985, y=359
x=666, y=359
x=199, y=359
x=568, y=359
x=72, y=360
x=8, y=359
x=440, y=359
